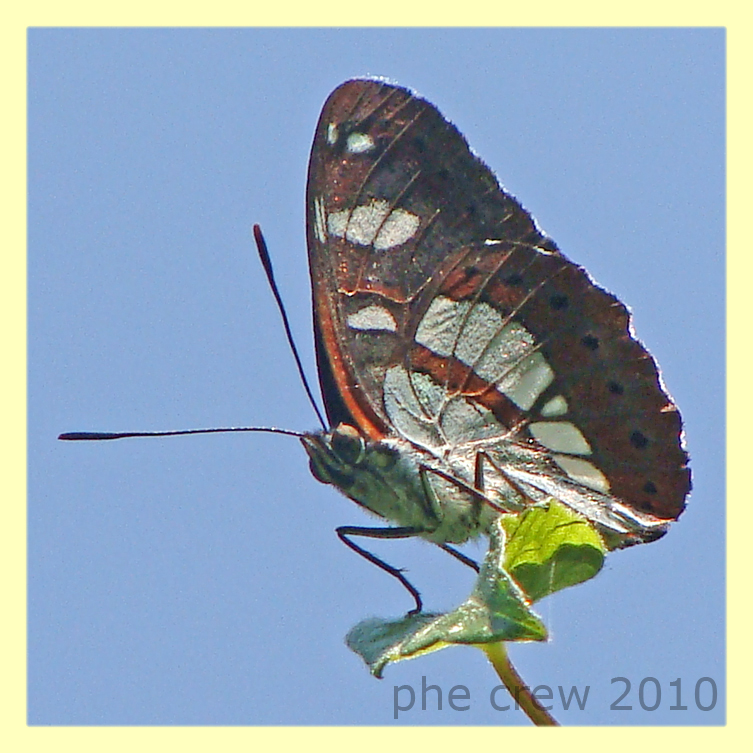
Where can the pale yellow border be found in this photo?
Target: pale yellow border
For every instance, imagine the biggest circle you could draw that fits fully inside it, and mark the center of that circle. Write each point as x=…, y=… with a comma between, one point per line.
x=15, y=735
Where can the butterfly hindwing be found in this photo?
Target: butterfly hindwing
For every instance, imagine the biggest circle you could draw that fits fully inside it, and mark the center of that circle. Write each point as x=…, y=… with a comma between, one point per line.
x=530, y=337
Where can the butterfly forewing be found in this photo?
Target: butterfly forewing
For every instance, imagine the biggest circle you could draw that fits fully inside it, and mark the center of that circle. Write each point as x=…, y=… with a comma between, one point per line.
x=393, y=190
x=445, y=317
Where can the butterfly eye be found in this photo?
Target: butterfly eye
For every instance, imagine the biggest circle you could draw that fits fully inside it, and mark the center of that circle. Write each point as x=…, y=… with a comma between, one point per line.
x=348, y=444
x=330, y=473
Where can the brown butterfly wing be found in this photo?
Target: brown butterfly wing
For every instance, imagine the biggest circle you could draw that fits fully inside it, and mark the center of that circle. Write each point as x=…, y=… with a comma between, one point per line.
x=423, y=268
x=418, y=163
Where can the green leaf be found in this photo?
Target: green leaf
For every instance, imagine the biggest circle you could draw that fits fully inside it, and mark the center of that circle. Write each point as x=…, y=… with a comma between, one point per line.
x=532, y=555
x=550, y=548
x=497, y=610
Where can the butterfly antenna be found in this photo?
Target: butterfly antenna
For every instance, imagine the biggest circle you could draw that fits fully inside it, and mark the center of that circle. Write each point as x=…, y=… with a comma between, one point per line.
x=266, y=262
x=100, y=435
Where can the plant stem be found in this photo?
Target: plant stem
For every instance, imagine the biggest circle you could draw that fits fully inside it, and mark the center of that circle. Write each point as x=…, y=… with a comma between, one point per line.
x=497, y=655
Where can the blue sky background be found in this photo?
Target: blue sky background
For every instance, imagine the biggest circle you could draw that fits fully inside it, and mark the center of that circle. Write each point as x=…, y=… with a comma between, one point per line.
x=198, y=580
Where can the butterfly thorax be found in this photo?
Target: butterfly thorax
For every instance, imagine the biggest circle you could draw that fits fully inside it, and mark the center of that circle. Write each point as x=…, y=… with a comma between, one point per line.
x=400, y=482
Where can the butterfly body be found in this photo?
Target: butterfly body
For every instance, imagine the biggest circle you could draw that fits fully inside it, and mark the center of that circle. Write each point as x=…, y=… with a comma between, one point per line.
x=399, y=482
x=469, y=368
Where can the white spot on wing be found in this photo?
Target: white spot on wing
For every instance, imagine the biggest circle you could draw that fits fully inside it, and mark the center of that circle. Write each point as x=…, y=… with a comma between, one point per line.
x=373, y=223
x=560, y=436
x=439, y=326
x=320, y=221
x=372, y=318
x=527, y=381
x=407, y=414
x=557, y=406
x=583, y=472
x=466, y=421
x=499, y=351
x=422, y=412
x=337, y=222
x=331, y=133
x=358, y=143
x=397, y=228
x=365, y=222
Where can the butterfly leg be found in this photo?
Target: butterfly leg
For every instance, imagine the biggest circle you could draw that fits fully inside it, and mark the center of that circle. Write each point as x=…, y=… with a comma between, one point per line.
x=478, y=481
x=460, y=556
x=344, y=532
x=478, y=470
x=432, y=505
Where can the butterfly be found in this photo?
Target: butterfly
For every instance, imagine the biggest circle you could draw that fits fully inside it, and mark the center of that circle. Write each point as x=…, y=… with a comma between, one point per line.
x=468, y=367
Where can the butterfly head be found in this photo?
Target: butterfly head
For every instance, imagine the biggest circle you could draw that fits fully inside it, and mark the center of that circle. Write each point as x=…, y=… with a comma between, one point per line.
x=340, y=455
x=397, y=481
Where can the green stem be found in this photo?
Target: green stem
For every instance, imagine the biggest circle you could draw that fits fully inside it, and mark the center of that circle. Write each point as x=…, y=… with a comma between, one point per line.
x=497, y=655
